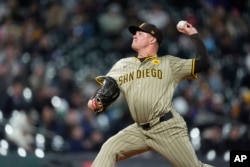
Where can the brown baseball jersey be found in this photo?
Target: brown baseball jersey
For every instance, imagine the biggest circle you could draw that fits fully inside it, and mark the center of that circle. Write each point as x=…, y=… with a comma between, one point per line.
x=148, y=86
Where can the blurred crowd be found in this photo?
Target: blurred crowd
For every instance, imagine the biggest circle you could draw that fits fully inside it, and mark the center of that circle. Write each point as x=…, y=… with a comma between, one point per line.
x=51, y=51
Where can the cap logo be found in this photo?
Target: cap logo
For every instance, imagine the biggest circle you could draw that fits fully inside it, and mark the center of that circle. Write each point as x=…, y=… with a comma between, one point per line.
x=142, y=25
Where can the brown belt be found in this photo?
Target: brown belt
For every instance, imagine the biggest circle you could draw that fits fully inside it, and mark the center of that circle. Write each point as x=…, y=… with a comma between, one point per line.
x=165, y=117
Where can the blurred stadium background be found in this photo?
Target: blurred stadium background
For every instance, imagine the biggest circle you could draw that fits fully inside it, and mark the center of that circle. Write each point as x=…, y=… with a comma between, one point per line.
x=51, y=51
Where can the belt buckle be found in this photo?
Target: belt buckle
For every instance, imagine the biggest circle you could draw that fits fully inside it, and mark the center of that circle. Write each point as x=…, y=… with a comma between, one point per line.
x=145, y=126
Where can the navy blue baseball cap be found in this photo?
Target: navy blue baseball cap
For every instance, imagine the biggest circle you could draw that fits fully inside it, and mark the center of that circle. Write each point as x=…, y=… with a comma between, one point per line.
x=148, y=28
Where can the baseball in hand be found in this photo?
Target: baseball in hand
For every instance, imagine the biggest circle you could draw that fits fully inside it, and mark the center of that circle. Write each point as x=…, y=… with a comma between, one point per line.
x=181, y=24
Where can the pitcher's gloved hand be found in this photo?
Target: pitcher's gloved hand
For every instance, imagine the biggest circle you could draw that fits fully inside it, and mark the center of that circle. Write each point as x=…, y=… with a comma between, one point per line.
x=105, y=95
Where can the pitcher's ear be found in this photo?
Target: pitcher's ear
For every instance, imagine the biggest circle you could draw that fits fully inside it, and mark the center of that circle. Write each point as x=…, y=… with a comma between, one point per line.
x=153, y=40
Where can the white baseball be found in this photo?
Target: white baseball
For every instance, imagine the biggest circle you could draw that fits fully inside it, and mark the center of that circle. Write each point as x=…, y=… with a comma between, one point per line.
x=181, y=24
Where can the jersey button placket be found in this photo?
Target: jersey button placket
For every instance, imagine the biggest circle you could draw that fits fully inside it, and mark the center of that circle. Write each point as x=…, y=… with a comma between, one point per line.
x=140, y=68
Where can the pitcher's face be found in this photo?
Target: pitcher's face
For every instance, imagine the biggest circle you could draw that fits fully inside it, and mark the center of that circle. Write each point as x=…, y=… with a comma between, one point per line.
x=141, y=40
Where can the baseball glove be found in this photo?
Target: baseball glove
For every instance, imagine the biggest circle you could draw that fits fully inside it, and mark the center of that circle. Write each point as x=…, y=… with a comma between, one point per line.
x=107, y=93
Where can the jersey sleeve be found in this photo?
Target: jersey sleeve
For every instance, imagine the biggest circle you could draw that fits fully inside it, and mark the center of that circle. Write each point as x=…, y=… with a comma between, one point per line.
x=120, y=68
x=115, y=70
x=182, y=68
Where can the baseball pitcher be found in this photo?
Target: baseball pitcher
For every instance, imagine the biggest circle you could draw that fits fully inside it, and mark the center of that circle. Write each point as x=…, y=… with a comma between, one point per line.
x=148, y=82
